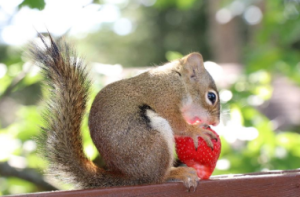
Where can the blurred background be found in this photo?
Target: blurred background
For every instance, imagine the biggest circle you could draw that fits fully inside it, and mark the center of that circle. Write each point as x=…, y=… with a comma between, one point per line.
x=251, y=47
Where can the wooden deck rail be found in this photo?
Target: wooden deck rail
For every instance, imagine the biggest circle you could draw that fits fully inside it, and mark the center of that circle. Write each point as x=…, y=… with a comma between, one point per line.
x=265, y=184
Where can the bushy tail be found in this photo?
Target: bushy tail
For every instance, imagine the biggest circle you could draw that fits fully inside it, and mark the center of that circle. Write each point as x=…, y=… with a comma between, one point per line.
x=69, y=87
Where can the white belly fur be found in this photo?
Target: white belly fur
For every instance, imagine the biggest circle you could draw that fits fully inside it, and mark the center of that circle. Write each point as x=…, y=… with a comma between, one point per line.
x=162, y=125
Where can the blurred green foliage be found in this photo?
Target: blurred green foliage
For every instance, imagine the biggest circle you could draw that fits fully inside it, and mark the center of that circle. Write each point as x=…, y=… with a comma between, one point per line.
x=38, y=4
x=275, y=48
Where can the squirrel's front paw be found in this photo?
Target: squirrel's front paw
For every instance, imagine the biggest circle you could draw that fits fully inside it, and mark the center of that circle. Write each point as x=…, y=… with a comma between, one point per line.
x=206, y=134
x=187, y=175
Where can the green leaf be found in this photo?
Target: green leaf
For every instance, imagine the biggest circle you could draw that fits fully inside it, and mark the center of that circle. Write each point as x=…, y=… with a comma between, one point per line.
x=164, y=4
x=185, y=4
x=290, y=141
x=39, y=4
x=29, y=123
x=19, y=186
x=173, y=55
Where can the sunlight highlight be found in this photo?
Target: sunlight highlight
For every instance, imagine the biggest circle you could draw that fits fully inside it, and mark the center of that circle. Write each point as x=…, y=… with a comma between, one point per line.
x=123, y=27
x=3, y=70
x=223, y=15
x=253, y=15
x=214, y=69
x=82, y=17
x=8, y=144
x=223, y=164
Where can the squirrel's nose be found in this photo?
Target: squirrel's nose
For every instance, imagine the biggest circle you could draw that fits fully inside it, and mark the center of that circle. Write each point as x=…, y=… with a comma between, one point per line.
x=215, y=122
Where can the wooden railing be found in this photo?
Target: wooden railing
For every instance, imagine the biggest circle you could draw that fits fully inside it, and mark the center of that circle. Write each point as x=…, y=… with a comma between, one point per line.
x=265, y=184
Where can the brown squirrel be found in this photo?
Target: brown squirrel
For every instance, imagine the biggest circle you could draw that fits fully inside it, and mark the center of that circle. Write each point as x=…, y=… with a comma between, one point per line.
x=132, y=122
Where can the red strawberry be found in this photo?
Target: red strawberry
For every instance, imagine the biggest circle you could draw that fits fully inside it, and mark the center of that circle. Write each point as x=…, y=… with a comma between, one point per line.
x=203, y=159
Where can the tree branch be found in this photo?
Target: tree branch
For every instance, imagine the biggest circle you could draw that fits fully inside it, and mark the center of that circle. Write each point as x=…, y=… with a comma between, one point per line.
x=26, y=174
x=17, y=80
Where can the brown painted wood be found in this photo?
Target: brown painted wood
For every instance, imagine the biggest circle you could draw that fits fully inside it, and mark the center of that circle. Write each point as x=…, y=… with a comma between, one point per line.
x=267, y=184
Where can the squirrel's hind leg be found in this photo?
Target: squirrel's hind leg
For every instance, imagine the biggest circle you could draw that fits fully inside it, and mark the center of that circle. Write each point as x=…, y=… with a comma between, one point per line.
x=187, y=175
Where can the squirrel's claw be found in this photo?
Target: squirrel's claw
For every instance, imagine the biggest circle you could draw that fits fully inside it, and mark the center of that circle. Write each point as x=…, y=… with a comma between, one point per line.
x=207, y=135
x=196, y=141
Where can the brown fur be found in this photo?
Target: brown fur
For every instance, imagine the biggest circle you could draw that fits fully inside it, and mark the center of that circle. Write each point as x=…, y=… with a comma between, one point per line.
x=119, y=120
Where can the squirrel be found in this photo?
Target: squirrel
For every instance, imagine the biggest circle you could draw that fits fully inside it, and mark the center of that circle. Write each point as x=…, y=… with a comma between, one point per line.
x=132, y=122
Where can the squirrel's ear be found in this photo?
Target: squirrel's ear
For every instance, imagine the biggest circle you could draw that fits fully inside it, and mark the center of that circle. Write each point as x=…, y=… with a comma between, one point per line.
x=193, y=64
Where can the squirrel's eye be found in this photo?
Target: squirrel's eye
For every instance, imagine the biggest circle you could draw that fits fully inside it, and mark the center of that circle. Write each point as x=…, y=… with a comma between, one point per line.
x=212, y=97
